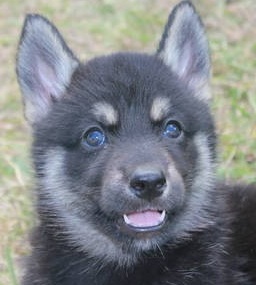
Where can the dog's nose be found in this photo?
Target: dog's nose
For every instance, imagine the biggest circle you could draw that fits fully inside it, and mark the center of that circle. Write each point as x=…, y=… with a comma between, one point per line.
x=148, y=183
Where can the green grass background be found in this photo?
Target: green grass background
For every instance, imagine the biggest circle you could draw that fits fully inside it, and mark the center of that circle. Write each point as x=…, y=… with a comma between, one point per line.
x=104, y=26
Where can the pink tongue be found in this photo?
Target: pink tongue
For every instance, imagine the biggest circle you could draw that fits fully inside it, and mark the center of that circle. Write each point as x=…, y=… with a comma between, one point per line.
x=148, y=218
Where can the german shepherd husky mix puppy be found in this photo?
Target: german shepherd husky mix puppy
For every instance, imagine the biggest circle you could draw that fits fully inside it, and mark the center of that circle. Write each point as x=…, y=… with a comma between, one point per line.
x=124, y=156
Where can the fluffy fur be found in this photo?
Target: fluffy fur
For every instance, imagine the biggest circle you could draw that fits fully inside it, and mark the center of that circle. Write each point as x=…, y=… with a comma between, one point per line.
x=124, y=156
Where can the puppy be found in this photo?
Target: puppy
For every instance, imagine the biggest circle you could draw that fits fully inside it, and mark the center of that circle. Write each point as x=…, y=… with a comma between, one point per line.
x=124, y=156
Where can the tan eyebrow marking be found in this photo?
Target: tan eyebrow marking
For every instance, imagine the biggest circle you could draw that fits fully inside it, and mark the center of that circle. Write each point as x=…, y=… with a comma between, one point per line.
x=160, y=108
x=105, y=113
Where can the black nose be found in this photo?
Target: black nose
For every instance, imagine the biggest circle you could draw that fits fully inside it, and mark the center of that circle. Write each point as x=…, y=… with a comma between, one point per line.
x=148, y=183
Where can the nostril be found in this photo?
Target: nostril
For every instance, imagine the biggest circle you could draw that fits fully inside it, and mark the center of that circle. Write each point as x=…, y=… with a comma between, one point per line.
x=138, y=184
x=148, y=185
x=160, y=183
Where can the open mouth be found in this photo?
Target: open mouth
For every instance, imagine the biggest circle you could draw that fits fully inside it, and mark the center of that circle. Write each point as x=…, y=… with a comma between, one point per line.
x=143, y=221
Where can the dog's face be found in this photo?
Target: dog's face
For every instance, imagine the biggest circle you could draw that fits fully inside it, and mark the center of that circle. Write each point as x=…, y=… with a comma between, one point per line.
x=124, y=144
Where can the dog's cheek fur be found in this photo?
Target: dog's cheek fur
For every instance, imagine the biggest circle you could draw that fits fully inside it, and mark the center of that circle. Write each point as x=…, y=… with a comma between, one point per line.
x=196, y=214
x=71, y=215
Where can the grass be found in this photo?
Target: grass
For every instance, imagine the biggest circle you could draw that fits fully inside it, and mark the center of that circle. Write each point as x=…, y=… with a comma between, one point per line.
x=104, y=26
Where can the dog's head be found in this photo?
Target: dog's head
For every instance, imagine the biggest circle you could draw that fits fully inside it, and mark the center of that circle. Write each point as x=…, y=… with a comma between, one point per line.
x=124, y=144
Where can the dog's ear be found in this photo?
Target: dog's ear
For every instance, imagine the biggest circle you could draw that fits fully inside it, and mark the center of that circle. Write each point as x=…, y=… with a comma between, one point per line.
x=44, y=66
x=184, y=48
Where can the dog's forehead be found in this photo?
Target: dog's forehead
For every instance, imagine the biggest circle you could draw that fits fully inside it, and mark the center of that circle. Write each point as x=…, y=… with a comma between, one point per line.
x=110, y=114
x=127, y=87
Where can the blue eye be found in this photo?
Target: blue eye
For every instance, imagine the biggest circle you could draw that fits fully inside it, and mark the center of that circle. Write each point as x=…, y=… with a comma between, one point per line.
x=172, y=130
x=94, y=137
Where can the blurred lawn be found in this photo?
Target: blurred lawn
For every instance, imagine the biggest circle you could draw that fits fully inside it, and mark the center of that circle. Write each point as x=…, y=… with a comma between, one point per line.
x=96, y=27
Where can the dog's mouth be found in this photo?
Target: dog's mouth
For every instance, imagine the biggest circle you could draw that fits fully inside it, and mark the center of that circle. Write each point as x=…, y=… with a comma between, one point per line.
x=145, y=221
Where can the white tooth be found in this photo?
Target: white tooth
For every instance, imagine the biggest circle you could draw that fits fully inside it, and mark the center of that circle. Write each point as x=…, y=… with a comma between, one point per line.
x=162, y=216
x=126, y=219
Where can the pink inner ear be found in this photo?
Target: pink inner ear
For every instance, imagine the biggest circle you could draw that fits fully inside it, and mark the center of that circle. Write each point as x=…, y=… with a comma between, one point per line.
x=48, y=81
x=186, y=60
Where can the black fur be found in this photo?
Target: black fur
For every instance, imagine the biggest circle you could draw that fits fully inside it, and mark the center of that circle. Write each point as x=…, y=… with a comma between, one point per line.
x=84, y=191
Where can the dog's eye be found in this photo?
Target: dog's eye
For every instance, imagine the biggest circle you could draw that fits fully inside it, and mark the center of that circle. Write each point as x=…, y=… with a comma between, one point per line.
x=172, y=130
x=94, y=137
